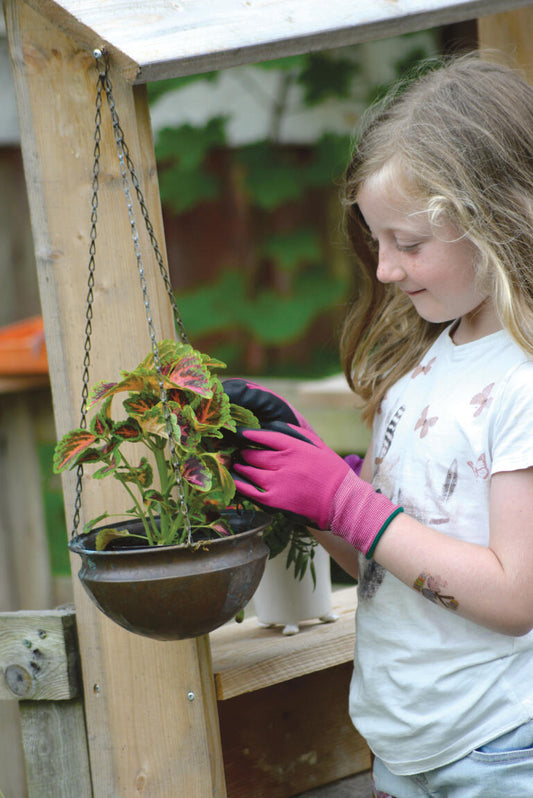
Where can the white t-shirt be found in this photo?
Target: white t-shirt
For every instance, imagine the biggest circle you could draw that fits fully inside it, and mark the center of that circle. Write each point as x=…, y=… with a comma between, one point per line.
x=428, y=685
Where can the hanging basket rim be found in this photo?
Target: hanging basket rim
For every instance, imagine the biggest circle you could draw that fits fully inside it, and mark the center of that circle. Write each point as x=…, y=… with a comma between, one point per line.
x=258, y=521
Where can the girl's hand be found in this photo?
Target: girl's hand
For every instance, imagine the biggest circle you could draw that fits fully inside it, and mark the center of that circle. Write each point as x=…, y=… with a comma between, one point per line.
x=298, y=473
x=264, y=403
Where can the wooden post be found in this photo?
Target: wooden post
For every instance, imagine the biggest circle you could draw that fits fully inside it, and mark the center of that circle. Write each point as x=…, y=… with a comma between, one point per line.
x=510, y=32
x=39, y=667
x=150, y=706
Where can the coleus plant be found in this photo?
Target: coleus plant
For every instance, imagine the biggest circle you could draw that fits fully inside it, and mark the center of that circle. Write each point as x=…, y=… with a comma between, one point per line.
x=201, y=417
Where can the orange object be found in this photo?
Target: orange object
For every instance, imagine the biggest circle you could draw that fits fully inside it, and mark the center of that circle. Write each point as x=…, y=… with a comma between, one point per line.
x=23, y=348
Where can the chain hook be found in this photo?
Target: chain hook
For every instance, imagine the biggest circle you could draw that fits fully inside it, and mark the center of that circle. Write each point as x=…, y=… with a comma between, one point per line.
x=102, y=61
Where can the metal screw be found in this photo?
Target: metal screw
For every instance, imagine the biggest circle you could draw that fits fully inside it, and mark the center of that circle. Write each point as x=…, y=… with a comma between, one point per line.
x=190, y=695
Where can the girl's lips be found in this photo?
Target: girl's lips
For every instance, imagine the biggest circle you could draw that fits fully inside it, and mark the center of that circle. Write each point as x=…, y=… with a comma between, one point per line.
x=414, y=293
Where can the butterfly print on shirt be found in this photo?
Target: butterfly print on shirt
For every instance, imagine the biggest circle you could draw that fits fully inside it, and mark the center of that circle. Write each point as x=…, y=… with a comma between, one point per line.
x=483, y=400
x=424, y=423
x=480, y=467
x=420, y=369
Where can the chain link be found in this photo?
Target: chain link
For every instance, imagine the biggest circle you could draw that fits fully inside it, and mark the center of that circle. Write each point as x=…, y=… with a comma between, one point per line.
x=127, y=167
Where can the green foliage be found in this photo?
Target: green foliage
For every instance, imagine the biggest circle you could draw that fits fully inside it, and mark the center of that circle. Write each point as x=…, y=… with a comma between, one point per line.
x=200, y=415
x=325, y=76
x=273, y=175
x=182, y=152
x=54, y=511
x=161, y=87
x=284, y=535
x=270, y=317
x=289, y=282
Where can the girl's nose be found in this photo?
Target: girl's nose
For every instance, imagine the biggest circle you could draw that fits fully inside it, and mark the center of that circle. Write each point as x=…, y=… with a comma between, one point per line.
x=389, y=269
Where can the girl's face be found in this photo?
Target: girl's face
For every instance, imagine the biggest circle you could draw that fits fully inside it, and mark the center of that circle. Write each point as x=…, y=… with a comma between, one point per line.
x=432, y=264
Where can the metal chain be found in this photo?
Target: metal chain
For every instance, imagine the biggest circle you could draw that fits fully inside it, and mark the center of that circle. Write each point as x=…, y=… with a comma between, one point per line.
x=126, y=165
x=90, y=295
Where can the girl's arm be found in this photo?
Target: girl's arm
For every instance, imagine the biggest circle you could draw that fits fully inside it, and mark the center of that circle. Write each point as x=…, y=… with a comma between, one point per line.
x=492, y=586
x=343, y=552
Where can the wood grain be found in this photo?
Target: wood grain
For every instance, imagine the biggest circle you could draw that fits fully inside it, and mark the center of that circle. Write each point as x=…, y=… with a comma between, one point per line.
x=156, y=39
x=144, y=734
x=247, y=657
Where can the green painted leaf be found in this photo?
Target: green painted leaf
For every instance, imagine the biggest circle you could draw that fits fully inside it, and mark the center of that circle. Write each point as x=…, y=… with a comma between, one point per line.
x=128, y=430
x=196, y=473
x=244, y=417
x=71, y=448
x=106, y=536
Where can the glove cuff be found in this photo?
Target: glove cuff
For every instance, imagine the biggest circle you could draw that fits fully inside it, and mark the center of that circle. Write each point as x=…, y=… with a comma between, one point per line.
x=360, y=515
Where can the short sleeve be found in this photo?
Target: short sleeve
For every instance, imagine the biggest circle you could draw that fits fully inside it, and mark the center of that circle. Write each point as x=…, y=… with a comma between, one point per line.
x=512, y=425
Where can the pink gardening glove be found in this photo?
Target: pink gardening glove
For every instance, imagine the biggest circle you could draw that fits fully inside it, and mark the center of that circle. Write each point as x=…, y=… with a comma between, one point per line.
x=264, y=403
x=304, y=476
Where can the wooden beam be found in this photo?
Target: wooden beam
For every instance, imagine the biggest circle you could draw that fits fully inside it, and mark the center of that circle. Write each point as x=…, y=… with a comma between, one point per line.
x=510, y=33
x=144, y=732
x=39, y=655
x=156, y=39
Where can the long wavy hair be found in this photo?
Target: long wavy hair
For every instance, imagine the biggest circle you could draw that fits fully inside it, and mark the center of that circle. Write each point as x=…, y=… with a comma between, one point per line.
x=457, y=140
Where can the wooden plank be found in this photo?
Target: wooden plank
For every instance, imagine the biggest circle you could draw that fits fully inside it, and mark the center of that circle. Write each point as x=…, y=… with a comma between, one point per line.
x=12, y=770
x=156, y=39
x=39, y=655
x=510, y=33
x=291, y=737
x=22, y=502
x=55, y=749
x=144, y=733
x=247, y=657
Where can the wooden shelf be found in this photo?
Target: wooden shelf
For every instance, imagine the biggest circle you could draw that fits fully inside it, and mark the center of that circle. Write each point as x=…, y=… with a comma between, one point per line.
x=247, y=657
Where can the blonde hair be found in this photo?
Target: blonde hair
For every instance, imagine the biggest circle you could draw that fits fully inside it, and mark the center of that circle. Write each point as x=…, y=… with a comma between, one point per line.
x=460, y=142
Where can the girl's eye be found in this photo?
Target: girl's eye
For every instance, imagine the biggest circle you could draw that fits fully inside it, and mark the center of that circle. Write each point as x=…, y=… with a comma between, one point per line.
x=407, y=247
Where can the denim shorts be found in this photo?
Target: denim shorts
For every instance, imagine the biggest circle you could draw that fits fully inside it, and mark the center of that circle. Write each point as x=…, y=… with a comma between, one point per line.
x=502, y=768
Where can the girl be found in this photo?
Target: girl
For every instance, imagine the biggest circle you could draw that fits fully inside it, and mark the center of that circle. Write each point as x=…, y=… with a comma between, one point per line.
x=438, y=527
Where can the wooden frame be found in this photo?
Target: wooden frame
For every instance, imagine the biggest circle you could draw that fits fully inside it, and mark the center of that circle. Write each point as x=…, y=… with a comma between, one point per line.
x=145, y=735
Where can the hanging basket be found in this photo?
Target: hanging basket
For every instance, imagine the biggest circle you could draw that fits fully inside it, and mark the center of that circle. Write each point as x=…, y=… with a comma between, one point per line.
x=176, y=592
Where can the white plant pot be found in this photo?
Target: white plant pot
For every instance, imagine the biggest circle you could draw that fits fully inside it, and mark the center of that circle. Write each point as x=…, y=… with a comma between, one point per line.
x=283, y=600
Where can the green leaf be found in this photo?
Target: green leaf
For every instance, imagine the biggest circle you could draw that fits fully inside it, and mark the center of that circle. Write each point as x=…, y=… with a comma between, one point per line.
x=159, y=88
x=290, y=249
x=105, y=536
x=291, y=62
x=274, y=319
x=181, y=153
x=91, y=524
x=72, y=447
x=188, y=145
x=326, y=76
x=330, y=159
x=197, y=473
x=182, y=190
x=243, y=417
x=272, y=177
x=215, y=305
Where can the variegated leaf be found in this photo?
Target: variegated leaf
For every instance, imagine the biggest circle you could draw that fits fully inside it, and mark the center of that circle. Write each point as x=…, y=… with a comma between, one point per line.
x=195, y=472
x=71, y=447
